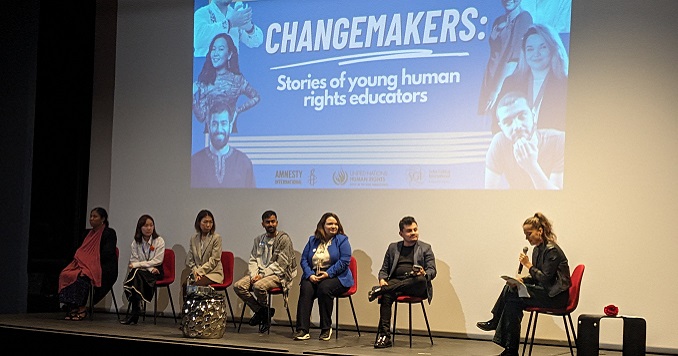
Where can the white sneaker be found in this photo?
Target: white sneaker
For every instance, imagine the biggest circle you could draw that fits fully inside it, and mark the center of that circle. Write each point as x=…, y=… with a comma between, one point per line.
x=326, y=334
x=301, y=335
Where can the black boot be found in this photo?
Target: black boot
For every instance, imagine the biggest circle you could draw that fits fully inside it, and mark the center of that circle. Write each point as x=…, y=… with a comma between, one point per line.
x=134, y=317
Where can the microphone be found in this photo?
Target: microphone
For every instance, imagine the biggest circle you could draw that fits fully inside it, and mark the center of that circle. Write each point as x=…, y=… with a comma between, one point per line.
x=520, y=266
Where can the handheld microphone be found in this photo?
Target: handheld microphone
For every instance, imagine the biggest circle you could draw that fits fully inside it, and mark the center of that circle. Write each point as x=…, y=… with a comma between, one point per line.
x=520, y=266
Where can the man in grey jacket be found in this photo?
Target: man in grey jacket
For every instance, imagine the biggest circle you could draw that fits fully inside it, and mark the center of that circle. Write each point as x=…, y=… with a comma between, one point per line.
x=272, y=264
x=409, y=267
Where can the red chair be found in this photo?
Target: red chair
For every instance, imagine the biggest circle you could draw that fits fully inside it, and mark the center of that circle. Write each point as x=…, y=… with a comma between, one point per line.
x=271, y=292
x=353, y=266
x=91, y=295
x=565, y=313
x=168, y=270
x=227, y=261
x=410, y=300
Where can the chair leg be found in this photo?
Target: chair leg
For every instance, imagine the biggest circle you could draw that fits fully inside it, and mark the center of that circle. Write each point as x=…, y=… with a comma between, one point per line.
x=574, y=334
x=428, y=327
x=409, y=305
x=355, y=318
x=242, y=315
x=527, y=334
x=336, y=318
x=235, y=326
x=169, y=293
x=155, y=305
x=115, y=303
x=534, y=330
x=395, y=318
x=567, y=332
x=289, y=317
x=91, y=302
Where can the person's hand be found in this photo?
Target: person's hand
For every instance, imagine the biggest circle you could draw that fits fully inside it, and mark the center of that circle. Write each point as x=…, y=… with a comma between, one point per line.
x=130, y=265
x=197, y=277
x=313, y=278
x=255, y=278
x=322, y=275
x=526, y=153
x=241, y=17
x=155, y=271
x=525, y=261
x=383, y=282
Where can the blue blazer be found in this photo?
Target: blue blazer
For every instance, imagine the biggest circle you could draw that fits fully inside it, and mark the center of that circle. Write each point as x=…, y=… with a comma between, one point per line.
x=340, y=256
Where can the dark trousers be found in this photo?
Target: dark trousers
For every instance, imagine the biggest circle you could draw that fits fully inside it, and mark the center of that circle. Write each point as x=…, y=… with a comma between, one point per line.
x=325, y=291
x=412, y=286
x=508, y=311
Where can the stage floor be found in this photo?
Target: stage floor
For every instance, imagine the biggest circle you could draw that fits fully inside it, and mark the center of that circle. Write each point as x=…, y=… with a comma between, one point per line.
x=279, y=341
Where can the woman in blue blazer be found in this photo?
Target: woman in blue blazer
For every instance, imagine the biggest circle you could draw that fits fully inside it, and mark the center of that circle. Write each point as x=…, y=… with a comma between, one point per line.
x=326, y=275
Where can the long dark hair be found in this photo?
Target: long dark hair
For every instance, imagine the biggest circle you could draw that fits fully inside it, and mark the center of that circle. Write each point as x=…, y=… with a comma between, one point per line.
x=140, y=223
x=320, y=228
x=208, y=73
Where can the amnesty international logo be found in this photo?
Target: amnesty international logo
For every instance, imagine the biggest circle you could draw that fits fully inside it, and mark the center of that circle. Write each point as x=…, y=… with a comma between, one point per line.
x=312, y=178
x=340, y=177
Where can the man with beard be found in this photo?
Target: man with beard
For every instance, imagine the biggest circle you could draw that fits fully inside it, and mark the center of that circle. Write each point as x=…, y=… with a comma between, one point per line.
x=522, y=155
x=272, y=264
x=219, y=165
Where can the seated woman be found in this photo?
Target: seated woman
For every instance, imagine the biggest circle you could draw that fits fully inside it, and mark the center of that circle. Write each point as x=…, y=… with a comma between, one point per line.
x=145, y=264
x=548, y=284
x=204, y=253
x=324, y=263
x=95, y=264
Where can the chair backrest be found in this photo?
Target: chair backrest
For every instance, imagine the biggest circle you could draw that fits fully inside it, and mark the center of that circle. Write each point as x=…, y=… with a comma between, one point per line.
x=575, y=279
x=227, y=261
x=168, y=266
x=353, y=266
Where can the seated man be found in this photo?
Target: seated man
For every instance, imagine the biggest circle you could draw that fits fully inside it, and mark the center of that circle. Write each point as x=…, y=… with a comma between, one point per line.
x=527, y=158
x=272, y=264
x=408, y=268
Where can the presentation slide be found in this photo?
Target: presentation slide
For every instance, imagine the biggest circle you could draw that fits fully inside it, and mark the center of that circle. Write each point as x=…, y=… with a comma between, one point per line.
x=366, y=94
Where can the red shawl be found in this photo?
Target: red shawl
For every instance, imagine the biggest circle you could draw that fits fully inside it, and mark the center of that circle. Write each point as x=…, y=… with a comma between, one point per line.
x=86, y=261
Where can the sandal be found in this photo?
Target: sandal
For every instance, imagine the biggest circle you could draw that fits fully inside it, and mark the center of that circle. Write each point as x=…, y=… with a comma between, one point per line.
x=78, y=315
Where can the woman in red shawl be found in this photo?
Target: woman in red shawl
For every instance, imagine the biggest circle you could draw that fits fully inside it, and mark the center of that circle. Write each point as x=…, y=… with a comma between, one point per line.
x=95, y=263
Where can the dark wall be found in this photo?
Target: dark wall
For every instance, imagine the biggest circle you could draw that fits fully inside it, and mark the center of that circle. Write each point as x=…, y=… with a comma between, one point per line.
x=47, y=64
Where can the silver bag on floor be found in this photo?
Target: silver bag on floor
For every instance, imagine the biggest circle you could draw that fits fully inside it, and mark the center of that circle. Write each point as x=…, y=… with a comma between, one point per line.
x=204, y=313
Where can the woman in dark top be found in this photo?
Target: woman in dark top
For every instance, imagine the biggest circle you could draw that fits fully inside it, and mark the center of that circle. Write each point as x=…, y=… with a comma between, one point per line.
x=548, y=283
x=95, y=264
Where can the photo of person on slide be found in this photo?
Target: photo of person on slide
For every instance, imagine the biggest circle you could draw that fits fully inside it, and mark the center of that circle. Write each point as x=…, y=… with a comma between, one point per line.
x=504, y=41
x=526, y=157
x=542, y=75
x=224, y=16
x=220, y=75
x=219, y=165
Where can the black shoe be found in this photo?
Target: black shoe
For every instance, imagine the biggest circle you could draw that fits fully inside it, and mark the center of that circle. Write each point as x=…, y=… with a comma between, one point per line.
x=265, y=322
x=487, y=325
x=373, y=293
x=264, y=327
x=258, y=316
x=131, y=319
x=383, y=341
